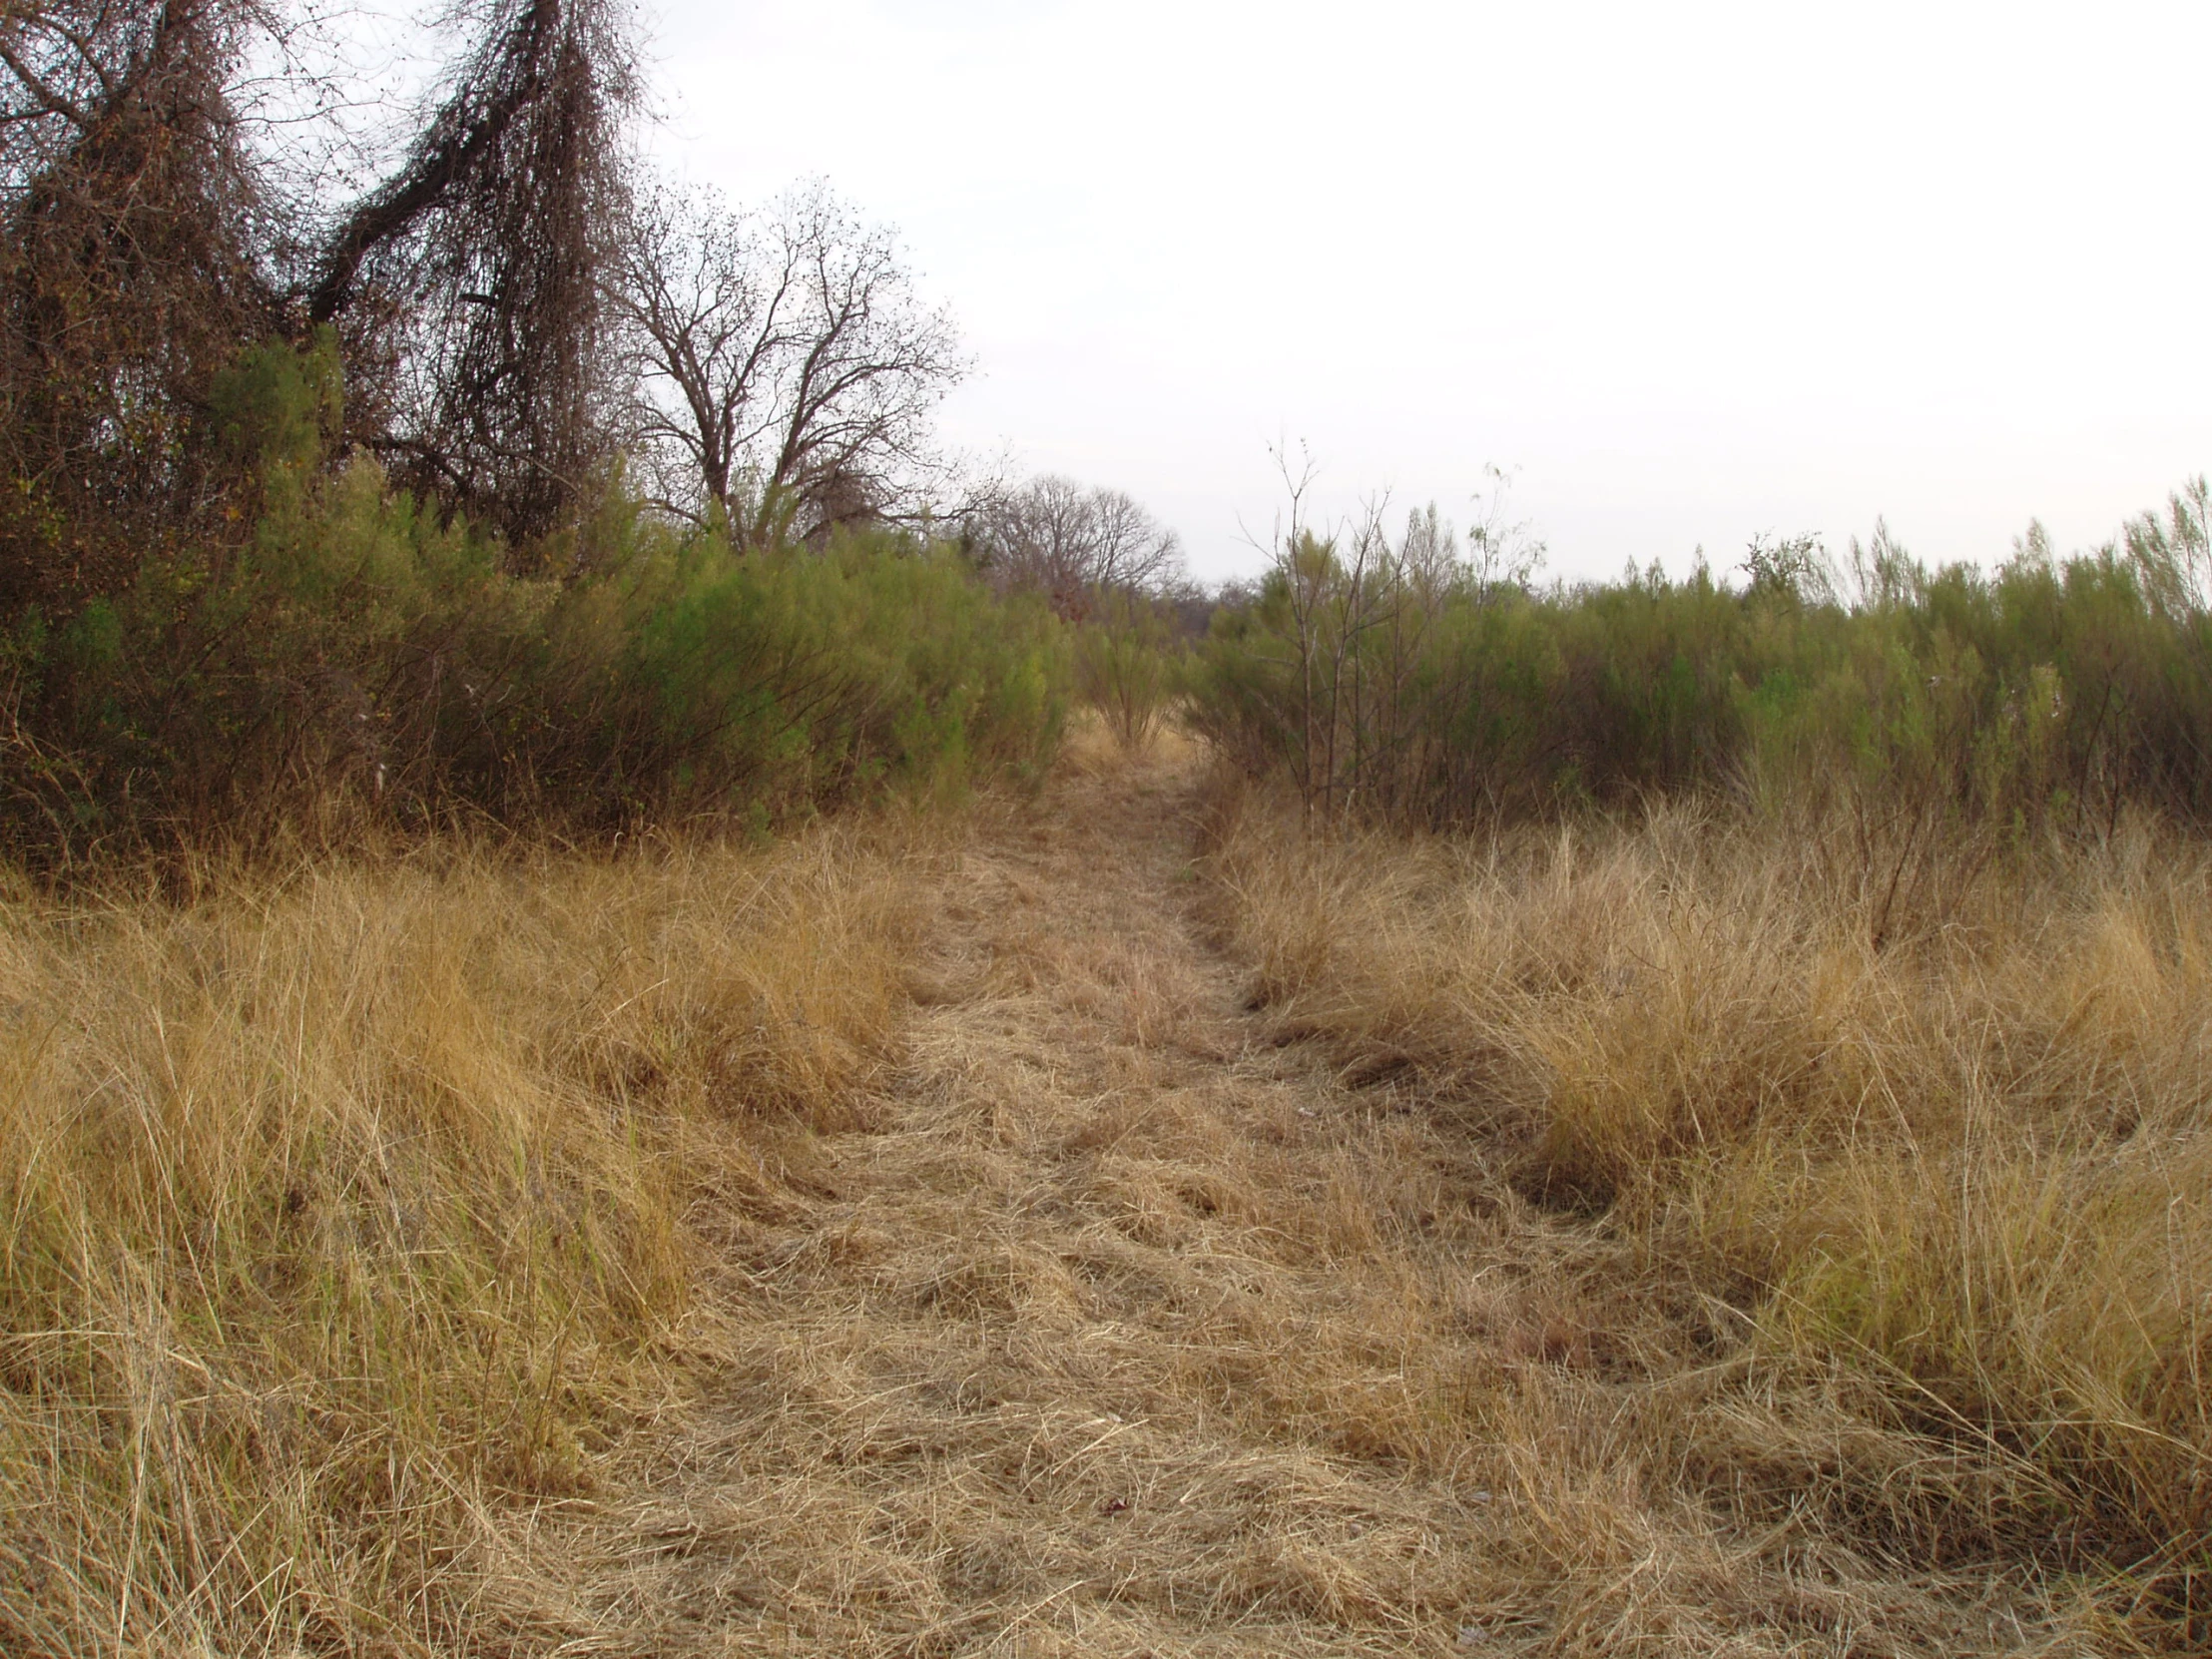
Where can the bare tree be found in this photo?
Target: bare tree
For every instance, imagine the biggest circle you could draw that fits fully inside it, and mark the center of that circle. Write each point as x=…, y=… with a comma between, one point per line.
x=787, y=369
x=1073, y=544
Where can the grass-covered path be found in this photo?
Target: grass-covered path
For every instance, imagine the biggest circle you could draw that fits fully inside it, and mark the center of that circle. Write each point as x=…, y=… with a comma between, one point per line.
x=1122, y=1320
x=1117, y=1326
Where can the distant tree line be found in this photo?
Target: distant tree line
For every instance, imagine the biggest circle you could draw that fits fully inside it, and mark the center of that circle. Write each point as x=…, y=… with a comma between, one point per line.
x=1082, y=548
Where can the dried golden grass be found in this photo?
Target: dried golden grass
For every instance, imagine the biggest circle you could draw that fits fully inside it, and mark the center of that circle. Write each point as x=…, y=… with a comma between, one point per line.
x=344, y=1215
x=892, y=1245
x=1133, y=1329
x=1935, y=1176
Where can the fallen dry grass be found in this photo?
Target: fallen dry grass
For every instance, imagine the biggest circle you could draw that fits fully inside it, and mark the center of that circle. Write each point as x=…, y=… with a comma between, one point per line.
x=1139, y=1323
x=1043, y=1241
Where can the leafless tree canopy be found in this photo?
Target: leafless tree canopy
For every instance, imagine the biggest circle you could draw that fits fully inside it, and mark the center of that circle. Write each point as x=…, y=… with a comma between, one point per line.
x=786, y=368
x=510, y=310
x=1072, y=544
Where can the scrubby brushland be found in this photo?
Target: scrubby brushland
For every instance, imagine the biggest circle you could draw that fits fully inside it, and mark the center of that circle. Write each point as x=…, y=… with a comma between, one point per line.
x=354, y=665
x=1400, y=678
x=398, y=963
x=1112, y=572
x=1667, y=1116
x=506, y=487
x=1833, y=947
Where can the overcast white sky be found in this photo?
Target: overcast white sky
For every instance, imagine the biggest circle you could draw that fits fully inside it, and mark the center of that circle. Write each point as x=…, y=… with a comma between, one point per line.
x=1697, y=271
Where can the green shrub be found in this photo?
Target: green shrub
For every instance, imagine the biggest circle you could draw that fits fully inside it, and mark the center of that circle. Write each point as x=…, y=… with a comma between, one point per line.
x=353, y=663
x=1386, y=679
x=1127, y=661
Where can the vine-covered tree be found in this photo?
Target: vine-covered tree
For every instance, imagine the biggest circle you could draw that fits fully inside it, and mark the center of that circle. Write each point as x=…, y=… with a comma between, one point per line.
x=145, y=241
x=469, y=282
x=508, y=313
x=133, y=240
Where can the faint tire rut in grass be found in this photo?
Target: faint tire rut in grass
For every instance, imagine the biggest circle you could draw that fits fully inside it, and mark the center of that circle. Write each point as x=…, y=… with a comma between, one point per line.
x=1106, y=1334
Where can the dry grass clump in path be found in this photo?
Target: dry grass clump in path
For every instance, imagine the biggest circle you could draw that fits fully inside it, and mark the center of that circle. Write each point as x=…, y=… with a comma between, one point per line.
x=1923, y=1166
x=1127, y=1329
x=343, y=1213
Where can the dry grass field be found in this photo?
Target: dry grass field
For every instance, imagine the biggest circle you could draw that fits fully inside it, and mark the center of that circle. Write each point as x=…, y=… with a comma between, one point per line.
x=1115, y=1224
x=345, y=1214
x=1882, y=1170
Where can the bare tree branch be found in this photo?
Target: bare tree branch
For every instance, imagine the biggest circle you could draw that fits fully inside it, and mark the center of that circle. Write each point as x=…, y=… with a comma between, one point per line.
x=475, y=273
x=786, y=370
x=1073, y=544
x=133, y=265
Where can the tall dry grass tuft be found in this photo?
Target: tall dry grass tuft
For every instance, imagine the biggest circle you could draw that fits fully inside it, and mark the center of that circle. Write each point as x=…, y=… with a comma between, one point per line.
x=1929, y=1160
x=345, y=1212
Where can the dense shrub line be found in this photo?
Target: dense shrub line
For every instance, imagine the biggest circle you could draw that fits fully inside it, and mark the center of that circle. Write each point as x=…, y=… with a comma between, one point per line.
x=1388, y=675
x=350, y=660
